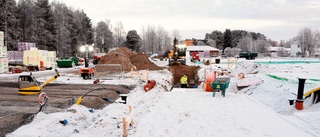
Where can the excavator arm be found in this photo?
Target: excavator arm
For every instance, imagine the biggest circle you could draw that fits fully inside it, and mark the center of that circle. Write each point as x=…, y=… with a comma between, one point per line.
x=51, y=79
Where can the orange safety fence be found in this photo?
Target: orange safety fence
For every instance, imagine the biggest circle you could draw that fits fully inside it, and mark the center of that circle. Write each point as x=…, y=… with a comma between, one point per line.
x=210, y=75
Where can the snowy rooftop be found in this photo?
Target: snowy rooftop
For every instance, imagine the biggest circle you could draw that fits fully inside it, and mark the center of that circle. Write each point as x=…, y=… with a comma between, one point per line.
x=201, y=48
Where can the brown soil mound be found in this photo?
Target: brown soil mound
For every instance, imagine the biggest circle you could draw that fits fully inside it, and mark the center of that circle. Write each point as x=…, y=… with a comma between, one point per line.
x=128, y=60
x=124, y=51
x=142, y=62
x=178, y=71
x=118, y=56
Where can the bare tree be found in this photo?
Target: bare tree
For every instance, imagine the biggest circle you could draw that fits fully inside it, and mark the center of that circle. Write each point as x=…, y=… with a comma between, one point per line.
x=160, y=34
x=104, y=38
x=119, y=34
x=315, y=40
x=261, y=45
x=151, y=36
x=167, y=41
x=245, y=43
x=176, y=34
x=155, y=39
x=143, y=39
x=305, y=40
x=212, y=42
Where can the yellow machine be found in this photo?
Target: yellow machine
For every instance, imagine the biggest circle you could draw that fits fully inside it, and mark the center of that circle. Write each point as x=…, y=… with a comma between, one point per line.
x=177, y=56
x=28, y=84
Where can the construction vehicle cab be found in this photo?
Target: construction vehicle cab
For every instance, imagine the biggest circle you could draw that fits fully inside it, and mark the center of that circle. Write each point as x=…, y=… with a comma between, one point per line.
x=28, y=84
x=177, y=56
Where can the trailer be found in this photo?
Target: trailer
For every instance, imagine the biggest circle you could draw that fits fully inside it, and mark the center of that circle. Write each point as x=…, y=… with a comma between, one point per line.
x=248, y=55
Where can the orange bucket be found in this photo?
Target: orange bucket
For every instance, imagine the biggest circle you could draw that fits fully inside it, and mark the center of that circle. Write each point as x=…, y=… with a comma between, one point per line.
x=299, y=104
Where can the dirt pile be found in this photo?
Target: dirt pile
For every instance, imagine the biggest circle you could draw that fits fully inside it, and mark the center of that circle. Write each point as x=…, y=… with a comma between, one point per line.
x=128, y=60
x=179, y=70
x=118, y=56
x=141, y=61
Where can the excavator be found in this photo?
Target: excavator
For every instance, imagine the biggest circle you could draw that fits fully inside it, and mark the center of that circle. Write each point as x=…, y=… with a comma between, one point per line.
x=177, y=56
x=29, y=85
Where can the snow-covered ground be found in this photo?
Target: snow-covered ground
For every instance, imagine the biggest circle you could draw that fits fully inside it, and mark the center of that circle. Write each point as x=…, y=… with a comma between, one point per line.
x=259, y=110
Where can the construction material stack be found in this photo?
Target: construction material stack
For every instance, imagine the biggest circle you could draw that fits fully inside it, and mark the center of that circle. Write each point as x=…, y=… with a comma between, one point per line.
x=4, y=67
x=15, y=58
x=41, y=58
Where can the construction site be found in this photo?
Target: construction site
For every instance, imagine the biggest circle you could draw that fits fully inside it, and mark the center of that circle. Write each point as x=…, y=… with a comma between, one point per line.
x=17, y=109
x=64, y=103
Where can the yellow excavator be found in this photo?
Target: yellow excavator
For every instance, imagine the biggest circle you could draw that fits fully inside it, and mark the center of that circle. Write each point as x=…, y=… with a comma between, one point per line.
x=28, y=84
x=177, y=56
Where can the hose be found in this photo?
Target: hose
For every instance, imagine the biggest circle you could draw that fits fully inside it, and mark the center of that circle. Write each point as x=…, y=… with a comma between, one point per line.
x=81, y=97
x=43, y=101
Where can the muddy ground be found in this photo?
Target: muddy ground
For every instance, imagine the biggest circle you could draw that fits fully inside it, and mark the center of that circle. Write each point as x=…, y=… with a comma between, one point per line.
x=17, y=110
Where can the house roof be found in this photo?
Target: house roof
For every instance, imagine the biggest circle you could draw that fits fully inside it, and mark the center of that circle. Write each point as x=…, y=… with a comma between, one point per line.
x=201, y=48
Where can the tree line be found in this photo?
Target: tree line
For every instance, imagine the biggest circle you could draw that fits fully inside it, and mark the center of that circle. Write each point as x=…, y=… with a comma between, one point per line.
x=51, y=26
x=55, y=26
x=231, y=41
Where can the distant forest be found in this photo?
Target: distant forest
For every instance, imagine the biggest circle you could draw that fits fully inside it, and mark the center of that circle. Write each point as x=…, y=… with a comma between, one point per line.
x=55, y=26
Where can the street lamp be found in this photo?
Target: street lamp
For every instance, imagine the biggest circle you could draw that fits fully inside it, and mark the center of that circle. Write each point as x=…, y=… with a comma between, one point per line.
x=86, y=49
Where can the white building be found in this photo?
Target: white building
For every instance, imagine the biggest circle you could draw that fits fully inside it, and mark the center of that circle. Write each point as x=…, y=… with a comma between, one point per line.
x=204, y=51
x=295, y=49
x=278, y=51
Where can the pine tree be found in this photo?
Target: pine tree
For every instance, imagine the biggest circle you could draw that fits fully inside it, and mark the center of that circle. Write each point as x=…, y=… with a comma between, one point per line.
x=46, y=30
x=26, y=21
x=227, y=39
x=87, y=26
x=8, y=23
x=133, y=41
x=63, y=22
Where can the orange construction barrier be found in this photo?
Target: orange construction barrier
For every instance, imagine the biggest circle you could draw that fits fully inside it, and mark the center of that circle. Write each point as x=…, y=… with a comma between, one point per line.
x=299, y=104
x=210, y=76
x=42, y=68
x=149, y=85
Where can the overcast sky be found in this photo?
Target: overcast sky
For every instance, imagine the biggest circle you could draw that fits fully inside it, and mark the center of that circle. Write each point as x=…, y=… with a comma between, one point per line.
x=277, y=19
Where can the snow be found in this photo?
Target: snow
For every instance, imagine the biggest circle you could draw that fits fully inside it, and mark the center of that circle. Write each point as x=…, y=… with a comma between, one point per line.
x=259, y=110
